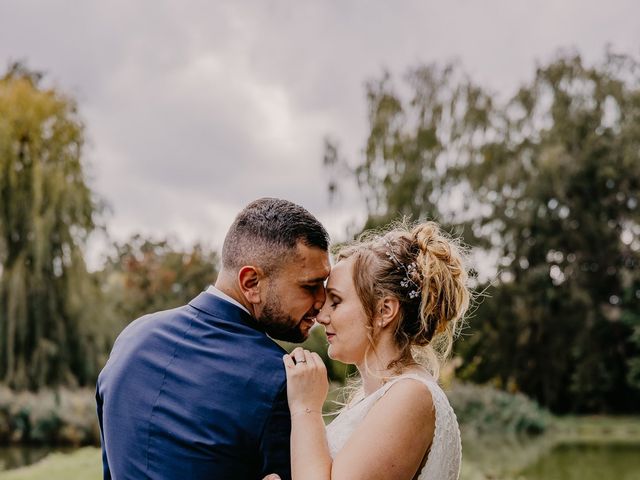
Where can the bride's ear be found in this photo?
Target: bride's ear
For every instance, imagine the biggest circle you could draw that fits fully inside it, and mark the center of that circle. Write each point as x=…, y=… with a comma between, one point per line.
x=387, y=311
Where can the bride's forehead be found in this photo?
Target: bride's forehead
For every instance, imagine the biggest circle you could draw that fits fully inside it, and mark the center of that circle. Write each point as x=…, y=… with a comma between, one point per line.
x=341, y=271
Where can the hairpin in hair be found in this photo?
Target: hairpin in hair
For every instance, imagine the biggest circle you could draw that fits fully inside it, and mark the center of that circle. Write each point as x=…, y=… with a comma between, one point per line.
x=409, y=270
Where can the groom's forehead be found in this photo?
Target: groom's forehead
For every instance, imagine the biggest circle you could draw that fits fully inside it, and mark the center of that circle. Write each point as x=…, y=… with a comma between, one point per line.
x=307, y=277
x=308, y=274
x=310, y=262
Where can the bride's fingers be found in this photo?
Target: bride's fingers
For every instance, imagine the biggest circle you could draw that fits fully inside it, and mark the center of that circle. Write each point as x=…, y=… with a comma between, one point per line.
x=308, y=358
x=298, y=355
x=288, y=361
x=317, y=360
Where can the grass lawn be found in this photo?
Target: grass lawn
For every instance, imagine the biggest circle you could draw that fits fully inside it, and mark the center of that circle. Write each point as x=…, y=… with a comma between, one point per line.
x=82, y=464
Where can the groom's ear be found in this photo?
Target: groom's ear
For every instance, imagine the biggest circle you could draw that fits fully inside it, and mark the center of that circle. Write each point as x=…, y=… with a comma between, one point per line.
x=388, y=310
x=250, y=279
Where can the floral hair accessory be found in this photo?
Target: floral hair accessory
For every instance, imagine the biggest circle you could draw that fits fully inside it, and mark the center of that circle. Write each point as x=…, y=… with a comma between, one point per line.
x=409, y=271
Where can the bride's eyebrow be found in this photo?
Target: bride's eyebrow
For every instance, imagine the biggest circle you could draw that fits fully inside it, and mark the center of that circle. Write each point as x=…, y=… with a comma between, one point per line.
x=333, y=291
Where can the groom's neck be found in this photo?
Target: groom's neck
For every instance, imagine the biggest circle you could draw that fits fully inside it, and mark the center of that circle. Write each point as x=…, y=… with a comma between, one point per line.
x=228, y=285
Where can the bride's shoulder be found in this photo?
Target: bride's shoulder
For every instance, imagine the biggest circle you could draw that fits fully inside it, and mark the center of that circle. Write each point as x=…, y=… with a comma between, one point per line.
x=410, y=394
x=394, y=435
x=421, y=380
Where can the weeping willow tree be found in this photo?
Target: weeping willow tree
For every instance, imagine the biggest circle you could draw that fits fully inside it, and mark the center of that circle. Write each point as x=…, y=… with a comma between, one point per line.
x=48, y=331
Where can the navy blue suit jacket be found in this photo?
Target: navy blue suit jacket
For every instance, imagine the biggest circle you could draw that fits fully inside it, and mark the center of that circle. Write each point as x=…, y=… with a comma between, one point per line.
x=197, y=392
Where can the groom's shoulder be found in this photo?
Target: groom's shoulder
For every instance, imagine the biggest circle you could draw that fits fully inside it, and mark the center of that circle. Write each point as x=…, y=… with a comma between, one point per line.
x=219, y=340
x=150, y=320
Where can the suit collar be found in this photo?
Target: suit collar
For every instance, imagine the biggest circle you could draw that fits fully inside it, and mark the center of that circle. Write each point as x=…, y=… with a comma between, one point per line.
x=219, y=293
x=218, y=307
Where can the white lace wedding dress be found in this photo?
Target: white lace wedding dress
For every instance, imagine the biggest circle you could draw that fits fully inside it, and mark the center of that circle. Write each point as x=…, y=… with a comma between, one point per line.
x=444, y=459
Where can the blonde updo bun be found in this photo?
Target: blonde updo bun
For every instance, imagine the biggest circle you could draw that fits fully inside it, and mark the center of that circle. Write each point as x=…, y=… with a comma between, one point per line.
x=425, y=270
x=445, y=293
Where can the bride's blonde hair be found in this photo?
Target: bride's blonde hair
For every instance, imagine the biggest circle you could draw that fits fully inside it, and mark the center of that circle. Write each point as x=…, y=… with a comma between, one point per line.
x=423, y=268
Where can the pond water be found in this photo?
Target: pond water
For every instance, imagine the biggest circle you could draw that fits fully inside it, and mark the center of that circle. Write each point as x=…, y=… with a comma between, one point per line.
x=549, y=458
x=587, y=462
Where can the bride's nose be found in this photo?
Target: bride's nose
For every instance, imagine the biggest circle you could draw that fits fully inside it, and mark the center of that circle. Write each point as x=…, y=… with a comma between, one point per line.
x=323, y=316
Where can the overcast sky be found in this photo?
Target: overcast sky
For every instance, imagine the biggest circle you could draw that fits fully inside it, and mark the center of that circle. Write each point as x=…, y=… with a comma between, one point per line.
x=194, y=108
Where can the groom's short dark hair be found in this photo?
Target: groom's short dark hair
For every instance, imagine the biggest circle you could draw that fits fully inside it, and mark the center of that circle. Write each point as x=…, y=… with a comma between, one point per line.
x=266, y=231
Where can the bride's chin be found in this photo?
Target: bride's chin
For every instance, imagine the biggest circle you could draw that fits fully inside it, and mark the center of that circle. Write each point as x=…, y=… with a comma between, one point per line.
x=332, y=355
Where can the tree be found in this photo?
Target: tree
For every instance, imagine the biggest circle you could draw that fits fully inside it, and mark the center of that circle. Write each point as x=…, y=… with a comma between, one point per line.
x=549, y=182
x=145, y=275
x=48, y=321
x=413, y=143
x=564, y=178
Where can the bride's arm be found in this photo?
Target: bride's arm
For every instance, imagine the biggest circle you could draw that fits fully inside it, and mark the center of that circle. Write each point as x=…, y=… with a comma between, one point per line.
x=393, y=438
x=389, y=443
x=307, y=388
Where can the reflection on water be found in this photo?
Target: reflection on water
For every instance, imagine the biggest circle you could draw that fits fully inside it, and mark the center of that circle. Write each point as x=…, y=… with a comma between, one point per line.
x=548, y=458
x=14, y=457
x=587, y=462
x=501, y=457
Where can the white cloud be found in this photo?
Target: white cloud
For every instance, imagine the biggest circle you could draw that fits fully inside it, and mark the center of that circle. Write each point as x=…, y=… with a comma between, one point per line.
x=194, y=109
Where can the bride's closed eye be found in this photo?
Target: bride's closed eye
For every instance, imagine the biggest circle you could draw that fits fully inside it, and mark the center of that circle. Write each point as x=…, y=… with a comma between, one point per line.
x=334, y=302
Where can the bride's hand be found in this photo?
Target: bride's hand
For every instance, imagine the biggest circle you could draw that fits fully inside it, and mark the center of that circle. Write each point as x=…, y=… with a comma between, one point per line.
x=307, y=384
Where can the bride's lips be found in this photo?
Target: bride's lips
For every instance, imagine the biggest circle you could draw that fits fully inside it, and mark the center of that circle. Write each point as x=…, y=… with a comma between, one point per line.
x=330, y=336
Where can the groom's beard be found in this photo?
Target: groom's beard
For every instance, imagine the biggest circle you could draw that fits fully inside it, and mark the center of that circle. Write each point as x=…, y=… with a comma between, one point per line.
x=279, y=325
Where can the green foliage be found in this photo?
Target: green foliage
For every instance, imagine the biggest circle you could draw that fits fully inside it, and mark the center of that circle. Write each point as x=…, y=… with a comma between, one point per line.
x=487, y=410
x=57, y=321
x=144, y=276
x=48, y=329
x=51, y=417
x=564, y=182
x=411, y=143
x=547, y=181
x=631, y=318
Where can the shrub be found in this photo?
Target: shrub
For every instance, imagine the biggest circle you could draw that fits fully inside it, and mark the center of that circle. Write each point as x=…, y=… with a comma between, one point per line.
x=487, y=410
x=55, y=417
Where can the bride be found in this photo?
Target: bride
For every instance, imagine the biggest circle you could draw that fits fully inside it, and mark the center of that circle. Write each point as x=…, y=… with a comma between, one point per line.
x=394, y=301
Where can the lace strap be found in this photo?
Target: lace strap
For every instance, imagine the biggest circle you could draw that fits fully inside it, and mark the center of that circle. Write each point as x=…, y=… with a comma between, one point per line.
x=421, y=378
x=375, y=396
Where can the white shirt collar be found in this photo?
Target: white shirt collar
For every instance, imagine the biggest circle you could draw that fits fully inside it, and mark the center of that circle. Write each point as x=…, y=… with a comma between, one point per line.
x=220, y=294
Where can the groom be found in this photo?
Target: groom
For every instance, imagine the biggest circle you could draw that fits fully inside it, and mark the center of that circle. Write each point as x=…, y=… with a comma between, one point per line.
x=199, y=392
